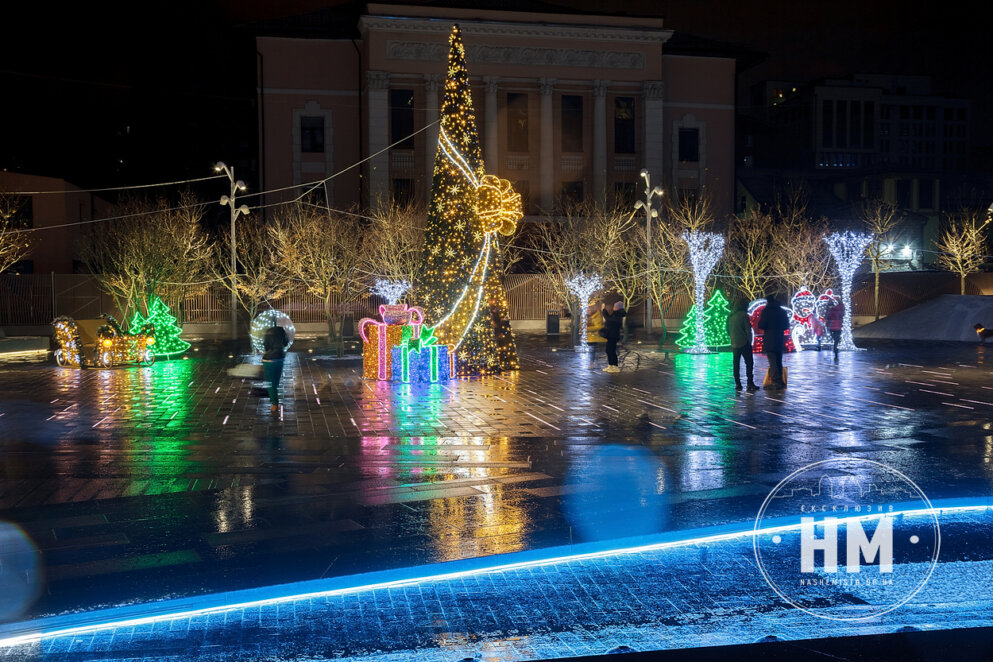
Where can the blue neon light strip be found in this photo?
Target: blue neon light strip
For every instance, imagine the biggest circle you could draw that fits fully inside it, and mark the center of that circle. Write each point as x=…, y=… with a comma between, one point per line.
x=16, y=634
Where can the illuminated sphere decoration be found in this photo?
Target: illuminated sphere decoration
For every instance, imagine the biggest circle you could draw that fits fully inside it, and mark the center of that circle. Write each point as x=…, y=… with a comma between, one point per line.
x=267, y=319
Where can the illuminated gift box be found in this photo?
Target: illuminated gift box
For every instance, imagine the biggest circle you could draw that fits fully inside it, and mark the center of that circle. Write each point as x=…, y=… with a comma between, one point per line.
x=379, y=337
x=420, y=358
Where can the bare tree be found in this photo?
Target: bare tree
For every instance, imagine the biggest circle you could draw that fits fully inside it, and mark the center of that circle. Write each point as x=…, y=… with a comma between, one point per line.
x=15, y=243
x=799, y=259
x=396, y=239
x=963, y=243
x=584, y=239
x=325, y=250
x=750, y=253
x=880, y=218
x=259, y=262
x=158, y=250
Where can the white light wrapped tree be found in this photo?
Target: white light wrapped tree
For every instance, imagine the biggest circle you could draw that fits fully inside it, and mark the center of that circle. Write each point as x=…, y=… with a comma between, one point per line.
x=583, y=286
x=848, y=250
x=705, y=250
x=391, y=290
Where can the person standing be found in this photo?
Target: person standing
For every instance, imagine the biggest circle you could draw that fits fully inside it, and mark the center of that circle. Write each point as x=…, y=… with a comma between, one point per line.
x=834, y=320
x=274, y=347
x=612, y=326
x=740, y=331
x=774, y=322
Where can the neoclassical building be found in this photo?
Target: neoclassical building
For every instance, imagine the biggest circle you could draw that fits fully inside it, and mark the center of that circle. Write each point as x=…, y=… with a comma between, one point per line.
x=568, y=106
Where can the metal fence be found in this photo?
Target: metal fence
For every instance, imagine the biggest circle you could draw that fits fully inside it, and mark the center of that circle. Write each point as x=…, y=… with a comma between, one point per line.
x=34, y=300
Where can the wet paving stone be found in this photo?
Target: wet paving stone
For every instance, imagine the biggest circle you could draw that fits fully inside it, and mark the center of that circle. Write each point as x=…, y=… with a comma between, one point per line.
x=173, y=480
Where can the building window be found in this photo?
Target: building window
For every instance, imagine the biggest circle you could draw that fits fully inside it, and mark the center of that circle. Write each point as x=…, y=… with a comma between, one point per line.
x=312, y=134
x=402, y=118
x=827, y=124
x=517, y=122
x=572, y=123
x=523, y=188
x=624, y=125
x=903, y=193
x=689, y=145
x=572, y=193
x=925, y=194
x=402, y=191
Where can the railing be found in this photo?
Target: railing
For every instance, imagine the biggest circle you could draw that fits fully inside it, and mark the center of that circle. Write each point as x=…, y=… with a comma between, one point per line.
x=34, y=300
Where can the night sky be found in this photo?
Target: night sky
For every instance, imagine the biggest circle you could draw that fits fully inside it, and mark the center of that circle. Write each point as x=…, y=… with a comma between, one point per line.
x=106, y=94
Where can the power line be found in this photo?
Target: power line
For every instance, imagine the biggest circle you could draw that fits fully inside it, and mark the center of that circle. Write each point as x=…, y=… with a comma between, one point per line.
x=111, y=188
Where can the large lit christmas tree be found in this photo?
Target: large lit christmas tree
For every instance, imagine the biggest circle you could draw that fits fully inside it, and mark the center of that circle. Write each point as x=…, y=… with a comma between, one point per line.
x=460, y=282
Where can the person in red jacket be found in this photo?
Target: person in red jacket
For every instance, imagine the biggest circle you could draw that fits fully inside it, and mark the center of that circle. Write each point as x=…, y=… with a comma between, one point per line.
x=833, y=321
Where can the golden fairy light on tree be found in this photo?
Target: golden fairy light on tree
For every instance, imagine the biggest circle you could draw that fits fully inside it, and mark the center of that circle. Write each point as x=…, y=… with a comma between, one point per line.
x=460, y=284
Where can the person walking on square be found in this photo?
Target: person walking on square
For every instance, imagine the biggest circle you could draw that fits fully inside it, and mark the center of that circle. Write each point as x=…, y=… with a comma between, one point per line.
x=834, y=320
x=773, y=322
x=274, y=345
x=740, y=332
x=612, y=321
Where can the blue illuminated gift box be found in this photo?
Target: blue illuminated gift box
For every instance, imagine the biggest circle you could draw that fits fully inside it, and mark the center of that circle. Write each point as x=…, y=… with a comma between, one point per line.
x=421, y=358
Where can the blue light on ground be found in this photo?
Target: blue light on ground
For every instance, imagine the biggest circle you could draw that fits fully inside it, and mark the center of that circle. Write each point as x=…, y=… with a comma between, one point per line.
x=679, y=590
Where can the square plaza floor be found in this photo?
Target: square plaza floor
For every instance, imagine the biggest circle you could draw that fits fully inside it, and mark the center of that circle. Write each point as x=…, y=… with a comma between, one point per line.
x=138, y=484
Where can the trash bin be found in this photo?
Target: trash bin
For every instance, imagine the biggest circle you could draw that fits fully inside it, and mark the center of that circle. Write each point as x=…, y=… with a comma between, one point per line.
x=552, y=322
x=348, y=326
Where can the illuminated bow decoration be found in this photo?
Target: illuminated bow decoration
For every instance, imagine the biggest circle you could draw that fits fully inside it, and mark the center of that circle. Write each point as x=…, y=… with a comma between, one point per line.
x=415, y=343
x=498, y=206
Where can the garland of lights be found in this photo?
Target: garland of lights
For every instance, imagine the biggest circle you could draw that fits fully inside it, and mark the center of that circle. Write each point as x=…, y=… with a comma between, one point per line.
x=705, y=250
x=391, y=290
x=167, y=332
x=460, y=280
x=267, y=319
x=847, y=249
x=583, y=286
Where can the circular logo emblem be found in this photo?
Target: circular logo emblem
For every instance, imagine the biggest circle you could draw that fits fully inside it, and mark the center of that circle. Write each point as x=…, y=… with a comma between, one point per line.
x=846, y=539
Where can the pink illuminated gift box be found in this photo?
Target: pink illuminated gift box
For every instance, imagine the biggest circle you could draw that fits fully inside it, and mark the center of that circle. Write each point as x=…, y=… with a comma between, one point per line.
x=379, y=337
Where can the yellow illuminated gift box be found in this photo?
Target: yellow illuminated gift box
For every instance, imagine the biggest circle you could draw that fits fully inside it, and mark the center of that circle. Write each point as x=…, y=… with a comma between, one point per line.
x=379, y=337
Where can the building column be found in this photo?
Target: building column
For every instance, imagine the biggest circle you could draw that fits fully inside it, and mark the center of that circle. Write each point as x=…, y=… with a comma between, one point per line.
x=492, y=136
x=378, y=105
x=653, y=156
x=431, y=84
x=600, y=141
x=546, y=155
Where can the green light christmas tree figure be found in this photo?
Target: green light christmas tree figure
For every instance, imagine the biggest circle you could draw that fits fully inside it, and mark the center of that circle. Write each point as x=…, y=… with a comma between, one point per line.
x=460, y=283
x=716, y=325
x=687, y=333
x=715, y=321
x=167, y=332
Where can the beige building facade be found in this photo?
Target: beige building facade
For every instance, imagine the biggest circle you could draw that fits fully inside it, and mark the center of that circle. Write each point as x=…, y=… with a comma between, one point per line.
x=568, y=107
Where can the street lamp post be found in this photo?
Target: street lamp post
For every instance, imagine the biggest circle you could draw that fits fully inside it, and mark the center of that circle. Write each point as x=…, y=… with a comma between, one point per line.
x=649, y=215
x=229, y=200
